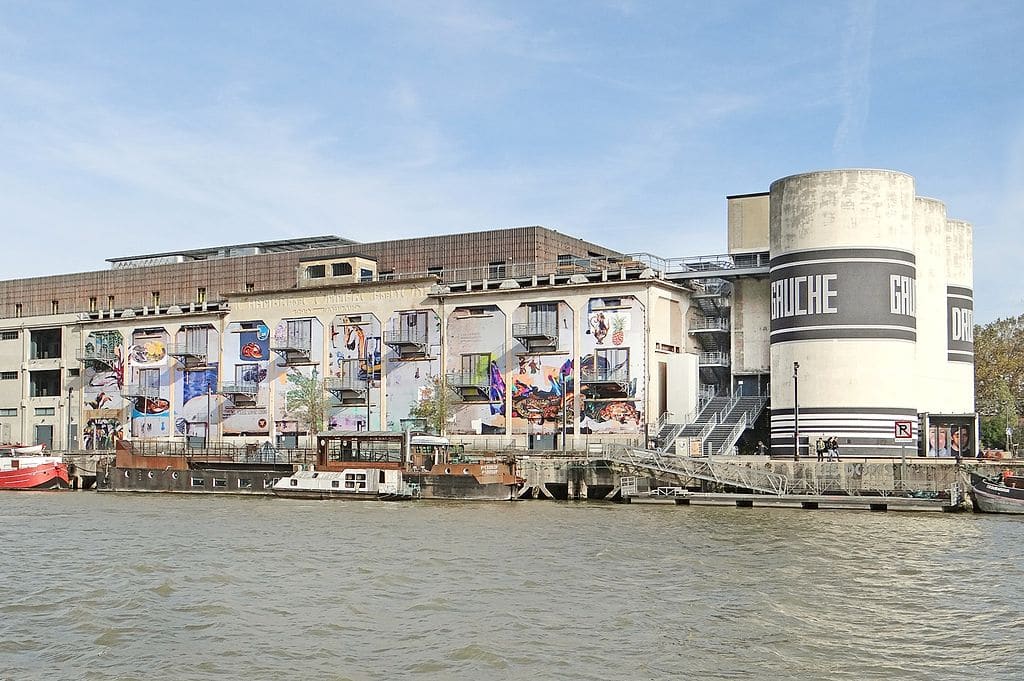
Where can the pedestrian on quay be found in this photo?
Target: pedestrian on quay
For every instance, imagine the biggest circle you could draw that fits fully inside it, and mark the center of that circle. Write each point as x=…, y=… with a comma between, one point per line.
x=761, y=449
x=833, y=449
x=819, y=448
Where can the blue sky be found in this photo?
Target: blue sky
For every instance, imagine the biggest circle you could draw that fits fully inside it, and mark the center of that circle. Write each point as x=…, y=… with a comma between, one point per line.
x=135, y=127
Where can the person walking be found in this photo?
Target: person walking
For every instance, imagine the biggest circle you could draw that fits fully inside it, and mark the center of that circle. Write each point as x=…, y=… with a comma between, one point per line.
x=833, y=449
x=819, y=448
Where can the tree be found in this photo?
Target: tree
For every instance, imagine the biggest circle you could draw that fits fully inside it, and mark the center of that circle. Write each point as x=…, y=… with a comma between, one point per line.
x=998, y=376
x=307, y=401
x=435, y=407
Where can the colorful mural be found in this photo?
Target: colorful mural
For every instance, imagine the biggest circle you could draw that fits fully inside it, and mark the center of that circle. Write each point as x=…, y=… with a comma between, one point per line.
x=299, y=346
x=102, y=381
x=541, y=380
x=149, y=376
x=196, y=401
x=412, y=362
x=476, y=359
x=612, y=366
x=354, y=354
x=246, y=366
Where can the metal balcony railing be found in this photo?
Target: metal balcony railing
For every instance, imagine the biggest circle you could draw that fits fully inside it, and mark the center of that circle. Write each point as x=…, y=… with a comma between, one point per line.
x=102, y=355
x=468, y=379
x=535, y=330
x=187, y=349
x=137, y=390
x=613, y=375
x=714, y=359
x=240, y=388
x=711, y=324
x=405, y=337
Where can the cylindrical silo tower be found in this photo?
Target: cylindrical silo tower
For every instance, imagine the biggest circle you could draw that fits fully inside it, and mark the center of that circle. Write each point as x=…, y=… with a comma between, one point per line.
x=843, y=307
x=930, y=249
x=958, y=396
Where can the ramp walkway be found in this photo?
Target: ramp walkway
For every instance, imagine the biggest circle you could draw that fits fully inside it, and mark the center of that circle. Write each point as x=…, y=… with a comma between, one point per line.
x=721, y=472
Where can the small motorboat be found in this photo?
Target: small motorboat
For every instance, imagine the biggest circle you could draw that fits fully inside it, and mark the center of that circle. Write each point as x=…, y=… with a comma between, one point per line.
x=993, y=495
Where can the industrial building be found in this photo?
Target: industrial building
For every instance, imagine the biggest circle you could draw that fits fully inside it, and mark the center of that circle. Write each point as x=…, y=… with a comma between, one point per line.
x=842, y=308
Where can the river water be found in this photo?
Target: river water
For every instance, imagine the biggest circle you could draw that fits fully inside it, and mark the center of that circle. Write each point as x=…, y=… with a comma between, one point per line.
x=112, y=586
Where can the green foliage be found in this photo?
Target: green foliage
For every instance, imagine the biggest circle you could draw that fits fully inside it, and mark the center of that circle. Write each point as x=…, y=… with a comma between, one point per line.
x=435, y=407
x=307, y=401
x=999, y=377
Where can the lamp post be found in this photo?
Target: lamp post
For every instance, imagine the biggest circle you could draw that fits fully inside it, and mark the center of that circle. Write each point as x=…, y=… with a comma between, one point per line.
x=796, y=411
x=563, y=413
x=209, y=394
x=69, y=421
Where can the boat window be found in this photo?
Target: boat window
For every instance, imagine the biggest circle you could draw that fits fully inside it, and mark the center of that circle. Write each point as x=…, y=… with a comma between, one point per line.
x=220, y=482
x=198, y=482
x=244, y=483
x=381, y=477
x=293, y=482
x=335, y=483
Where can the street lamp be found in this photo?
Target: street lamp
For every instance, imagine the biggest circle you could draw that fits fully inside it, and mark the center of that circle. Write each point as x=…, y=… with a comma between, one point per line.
x=796, y=411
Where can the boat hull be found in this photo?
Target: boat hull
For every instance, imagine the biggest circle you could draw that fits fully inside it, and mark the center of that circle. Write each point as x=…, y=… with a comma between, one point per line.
x=319, y=494
x=46, y=476
x=989, y=497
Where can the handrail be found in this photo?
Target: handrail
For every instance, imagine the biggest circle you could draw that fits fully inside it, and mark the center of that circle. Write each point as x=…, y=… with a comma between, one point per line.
x=734, y=434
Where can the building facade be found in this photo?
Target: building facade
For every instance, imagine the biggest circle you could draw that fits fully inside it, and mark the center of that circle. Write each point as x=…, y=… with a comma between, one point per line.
x=843, y=296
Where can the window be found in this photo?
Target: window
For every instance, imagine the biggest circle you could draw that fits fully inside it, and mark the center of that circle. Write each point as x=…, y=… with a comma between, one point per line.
x=220, y=482
x=9, y=411
x=201, y=295
x=250, y=287
x=293, y=482
x=386, y=275
x=45, y=411
x=74, y=372
x=17, y=309
x=110, y=302
x=544, y=317
x=316, y=272
x=496, y=270
x=565, y=259
x=611, y=364
x=45, y=344
x=92, y=303
x=156, y=298
x=198, y=482
x=335, y=483
x=300, y=332
x=8, y=335
x=340, y=269
x=44, y=383
x=54, y=307
x=365, y=275
x=8, y=375
x=245, y=483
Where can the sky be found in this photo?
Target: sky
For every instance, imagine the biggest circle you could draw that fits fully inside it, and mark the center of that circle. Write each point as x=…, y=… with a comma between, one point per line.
x=133, y=127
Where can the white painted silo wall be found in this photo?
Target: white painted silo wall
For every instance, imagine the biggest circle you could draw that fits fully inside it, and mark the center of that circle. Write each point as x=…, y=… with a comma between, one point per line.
x=958, y=397
x=843, y=305
x=930, y=249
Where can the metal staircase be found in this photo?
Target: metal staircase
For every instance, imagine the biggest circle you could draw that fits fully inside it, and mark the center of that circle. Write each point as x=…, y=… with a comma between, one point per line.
x=709, y=469
x=741, y=413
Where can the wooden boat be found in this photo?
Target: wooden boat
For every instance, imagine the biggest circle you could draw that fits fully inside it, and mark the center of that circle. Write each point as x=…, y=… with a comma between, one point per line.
x=993, y=496
x=30, y=471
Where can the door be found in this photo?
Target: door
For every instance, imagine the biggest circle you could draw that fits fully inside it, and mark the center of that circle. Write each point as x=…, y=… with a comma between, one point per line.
x=44, y=436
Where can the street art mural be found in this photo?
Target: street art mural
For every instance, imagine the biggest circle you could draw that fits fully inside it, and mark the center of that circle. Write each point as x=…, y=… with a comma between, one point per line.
x=247, y=356
x=299, y=346
x=102, y=381
x=149, y=381
x=541, y=381
x=476, y=364
x=196, y=401
x=354, y=360
x=612, y=366
x=412, y=362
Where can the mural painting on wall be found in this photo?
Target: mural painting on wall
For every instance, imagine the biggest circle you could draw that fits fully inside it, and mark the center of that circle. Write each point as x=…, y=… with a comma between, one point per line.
x=299, y=346
x=354, y=359
x=412, y=358
x=542, y=395
x=612, y=366
x=196, y=401
x=149, y=378
x=246, y=365
x=476, y=361
x=541, y=379
x=102, y=382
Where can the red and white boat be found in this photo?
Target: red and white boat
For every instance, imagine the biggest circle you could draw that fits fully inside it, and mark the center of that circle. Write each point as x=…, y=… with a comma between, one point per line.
x=25, y=467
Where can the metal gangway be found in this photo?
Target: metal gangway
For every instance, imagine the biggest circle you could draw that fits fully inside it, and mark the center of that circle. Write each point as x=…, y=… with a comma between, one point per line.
x=709, y=469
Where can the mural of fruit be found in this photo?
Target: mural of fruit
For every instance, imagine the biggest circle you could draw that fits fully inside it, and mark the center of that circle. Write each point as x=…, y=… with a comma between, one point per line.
x=618, y=330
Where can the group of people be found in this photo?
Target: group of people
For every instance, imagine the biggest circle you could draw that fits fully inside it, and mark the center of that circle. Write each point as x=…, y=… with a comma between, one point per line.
x=827, y=449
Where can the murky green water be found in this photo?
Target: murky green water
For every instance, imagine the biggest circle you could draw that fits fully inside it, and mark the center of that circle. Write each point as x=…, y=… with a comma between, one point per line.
x=176, y=587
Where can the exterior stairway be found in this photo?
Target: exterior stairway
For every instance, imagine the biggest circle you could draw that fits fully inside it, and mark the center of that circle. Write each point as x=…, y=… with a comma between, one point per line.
x=731, y=424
